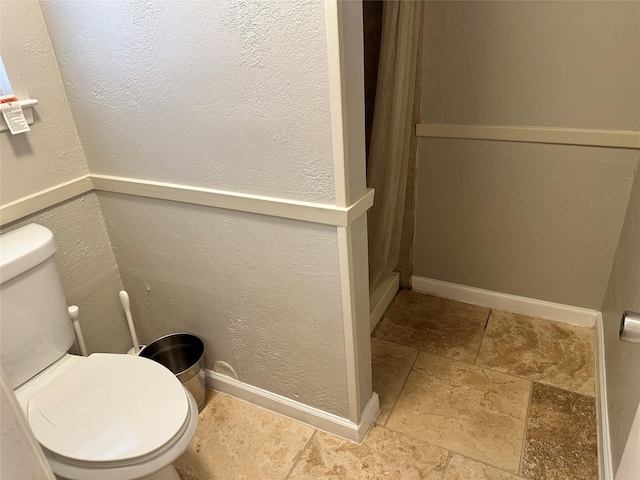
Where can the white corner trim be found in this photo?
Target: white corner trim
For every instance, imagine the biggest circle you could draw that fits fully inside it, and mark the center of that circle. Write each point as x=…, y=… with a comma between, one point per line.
x=360, y=206
x=605, y=465
x=300, y=412
x=349, y=318
x=336, y=101
x=583, y=317
x=47, y=198
x=381, y=298
x=564, y=136
x=262, y=205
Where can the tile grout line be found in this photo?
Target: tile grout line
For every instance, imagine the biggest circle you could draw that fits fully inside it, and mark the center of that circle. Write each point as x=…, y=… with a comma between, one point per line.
x=404, y=384
x=531, y=380
x=484, y=367
x=501, y=469
x=484, y=333
x=526, y=429
x=454, y=452
x=495, y=467
x=446, y=466
x=296, y=461
x=419, y=350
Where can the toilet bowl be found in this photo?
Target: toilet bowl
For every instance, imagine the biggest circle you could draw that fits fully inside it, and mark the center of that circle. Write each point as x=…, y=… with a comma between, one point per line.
x=101, y=417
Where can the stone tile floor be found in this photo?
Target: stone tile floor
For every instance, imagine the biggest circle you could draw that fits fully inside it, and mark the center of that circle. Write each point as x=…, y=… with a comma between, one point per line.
x=465, y=393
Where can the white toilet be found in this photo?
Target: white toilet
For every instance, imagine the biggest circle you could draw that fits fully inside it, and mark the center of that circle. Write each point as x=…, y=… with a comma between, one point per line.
x=106, y=416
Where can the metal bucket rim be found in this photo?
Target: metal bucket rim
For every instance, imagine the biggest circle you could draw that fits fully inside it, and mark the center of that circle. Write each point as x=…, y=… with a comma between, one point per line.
x=197, y=362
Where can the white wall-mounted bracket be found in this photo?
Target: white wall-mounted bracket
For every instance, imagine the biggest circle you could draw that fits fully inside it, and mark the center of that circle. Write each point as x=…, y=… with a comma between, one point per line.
x=26, y=108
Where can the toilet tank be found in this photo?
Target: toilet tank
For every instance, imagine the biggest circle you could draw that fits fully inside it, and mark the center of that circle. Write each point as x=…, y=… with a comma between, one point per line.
x=35, y=329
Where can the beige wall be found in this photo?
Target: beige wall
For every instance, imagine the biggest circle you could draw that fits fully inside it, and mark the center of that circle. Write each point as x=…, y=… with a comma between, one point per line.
x=534, y=220
x=88, y=269
x=539, y=221
x=562, y=64
x=622, y=359
x=50, y=154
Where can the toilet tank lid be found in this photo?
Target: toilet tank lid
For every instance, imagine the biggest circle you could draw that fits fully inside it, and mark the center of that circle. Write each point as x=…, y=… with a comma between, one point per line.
x=23, y=249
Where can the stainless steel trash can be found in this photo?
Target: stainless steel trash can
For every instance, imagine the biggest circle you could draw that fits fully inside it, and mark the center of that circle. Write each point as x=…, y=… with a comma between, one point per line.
x=183, y=354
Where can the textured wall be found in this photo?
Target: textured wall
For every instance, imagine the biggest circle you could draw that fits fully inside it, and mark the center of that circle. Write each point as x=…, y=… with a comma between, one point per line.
x=51, y=152
x=88, y=269
x=262, y=292
x=227, y=94
x=234, y=96
x=623, y=293
x=539, y=221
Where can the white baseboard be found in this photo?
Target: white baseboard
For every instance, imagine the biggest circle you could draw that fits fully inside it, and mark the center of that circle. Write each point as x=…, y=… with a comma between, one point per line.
x=583, y=317
x=381, y=298
x=300, y=412
x=605, y=466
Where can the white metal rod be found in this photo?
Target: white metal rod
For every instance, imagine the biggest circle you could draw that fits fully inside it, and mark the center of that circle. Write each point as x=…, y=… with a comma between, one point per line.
x=124, y=299
x=74, y=313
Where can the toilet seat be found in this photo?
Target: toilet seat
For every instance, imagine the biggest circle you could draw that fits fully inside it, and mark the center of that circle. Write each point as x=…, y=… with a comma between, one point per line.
x=134, y=415
x=127, y=407
x=138, y=470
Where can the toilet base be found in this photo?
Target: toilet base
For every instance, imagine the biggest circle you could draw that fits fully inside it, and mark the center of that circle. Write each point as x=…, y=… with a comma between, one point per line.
x=167, y=473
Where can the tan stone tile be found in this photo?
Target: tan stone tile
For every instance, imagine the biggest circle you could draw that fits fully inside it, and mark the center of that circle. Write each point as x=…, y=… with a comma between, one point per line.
x=561, y=438
x=184, y=476
x=464, y=408
x=391, y=364
x=436, y=325
x=462, y=468
x=236, y=440
x=384, y=454
x=548, y=352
